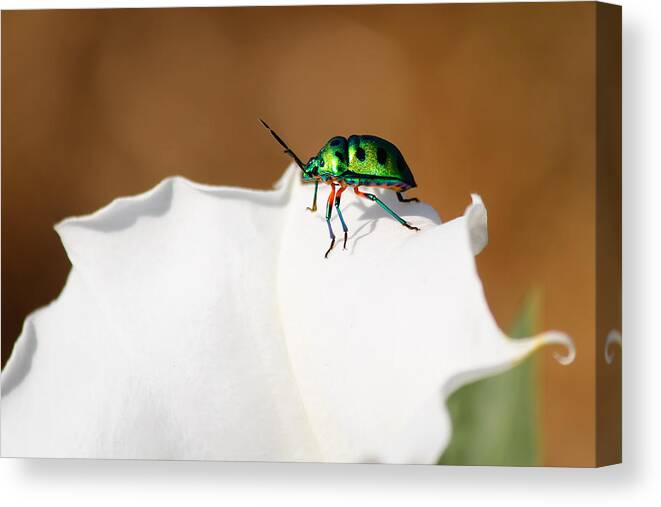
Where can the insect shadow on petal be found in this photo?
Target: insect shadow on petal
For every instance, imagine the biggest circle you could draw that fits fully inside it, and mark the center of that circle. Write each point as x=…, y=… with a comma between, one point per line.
x=359, y=161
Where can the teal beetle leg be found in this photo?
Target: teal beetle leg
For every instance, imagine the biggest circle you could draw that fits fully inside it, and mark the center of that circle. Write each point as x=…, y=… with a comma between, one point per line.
x=329, y=211
x=337, y=207
x=374, y=198
x=401, y=198
x=314, y=199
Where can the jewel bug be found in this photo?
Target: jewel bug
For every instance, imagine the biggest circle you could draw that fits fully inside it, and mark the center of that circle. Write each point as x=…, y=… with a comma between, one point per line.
x=360, y=160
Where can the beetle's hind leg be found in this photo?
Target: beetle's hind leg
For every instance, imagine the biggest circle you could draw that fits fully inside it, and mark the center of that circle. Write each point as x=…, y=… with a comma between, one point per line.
x=375, y=199
x=401, y=198
x=339, y=213
x=314, y=199
x=329, y=211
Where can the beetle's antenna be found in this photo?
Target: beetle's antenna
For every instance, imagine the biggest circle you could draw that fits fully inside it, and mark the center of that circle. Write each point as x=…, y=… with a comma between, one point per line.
x=288, y=150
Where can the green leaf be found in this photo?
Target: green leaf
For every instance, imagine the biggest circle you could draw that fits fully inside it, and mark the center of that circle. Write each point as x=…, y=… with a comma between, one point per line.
x=494, y=420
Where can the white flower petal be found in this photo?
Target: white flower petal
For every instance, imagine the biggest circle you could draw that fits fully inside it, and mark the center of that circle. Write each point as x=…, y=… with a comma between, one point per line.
x=204, y=323
x=166, y=342
x=476, y=218
x=380, y=334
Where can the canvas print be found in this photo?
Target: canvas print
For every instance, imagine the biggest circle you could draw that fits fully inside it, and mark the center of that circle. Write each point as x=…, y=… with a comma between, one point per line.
x=335, y=234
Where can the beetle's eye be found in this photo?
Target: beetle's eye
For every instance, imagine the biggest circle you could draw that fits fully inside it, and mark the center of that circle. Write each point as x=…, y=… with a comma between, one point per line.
x=322, y=163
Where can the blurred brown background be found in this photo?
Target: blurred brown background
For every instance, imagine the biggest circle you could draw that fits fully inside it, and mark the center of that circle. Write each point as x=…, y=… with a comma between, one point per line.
x=494, y=99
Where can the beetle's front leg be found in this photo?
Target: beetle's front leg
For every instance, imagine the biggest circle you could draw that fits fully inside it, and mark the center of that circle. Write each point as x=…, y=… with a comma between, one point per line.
x=314, y=199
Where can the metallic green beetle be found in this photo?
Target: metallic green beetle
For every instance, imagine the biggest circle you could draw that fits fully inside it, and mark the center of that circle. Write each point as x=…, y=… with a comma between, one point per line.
x=358, y=161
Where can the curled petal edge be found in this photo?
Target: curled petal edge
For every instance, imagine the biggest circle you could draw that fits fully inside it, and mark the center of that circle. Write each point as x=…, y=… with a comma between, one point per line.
x=614, y=336
x=550, y=338
x=559, y=338
x=523, y=347
x=476, y=218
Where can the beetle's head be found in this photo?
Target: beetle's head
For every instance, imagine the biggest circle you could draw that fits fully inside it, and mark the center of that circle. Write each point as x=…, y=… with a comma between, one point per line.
x=311, y=169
